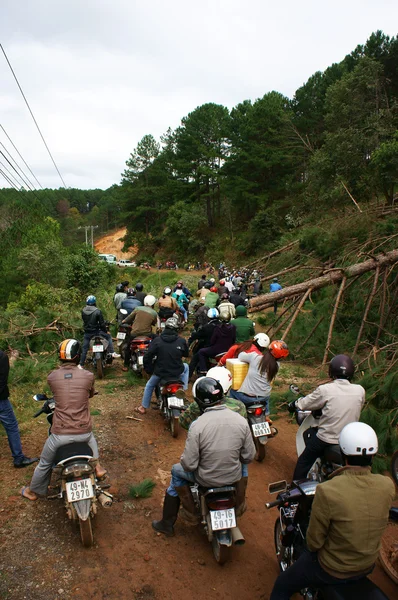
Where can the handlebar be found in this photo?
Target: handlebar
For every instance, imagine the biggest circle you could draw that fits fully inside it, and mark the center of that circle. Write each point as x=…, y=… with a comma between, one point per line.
x=39, y=412
x=273, y=504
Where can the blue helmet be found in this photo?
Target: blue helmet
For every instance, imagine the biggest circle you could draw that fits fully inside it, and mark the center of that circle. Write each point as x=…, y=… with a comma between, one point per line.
x=212, y=313
x=91, y=300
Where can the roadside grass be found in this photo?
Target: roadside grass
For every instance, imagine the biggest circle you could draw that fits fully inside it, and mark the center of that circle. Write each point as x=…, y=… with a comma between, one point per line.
x=143, y=489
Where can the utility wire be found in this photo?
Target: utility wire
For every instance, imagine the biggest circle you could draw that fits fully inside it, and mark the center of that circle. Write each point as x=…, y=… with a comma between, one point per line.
x=29, y=185
x=9, y=180
x=33, y=117
x=10, y=174
x=20, y=155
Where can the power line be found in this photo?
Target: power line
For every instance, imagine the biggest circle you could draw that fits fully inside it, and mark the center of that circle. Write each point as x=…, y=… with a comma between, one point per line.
x=10, y=174
x=9, y=180
x=33, y=117
x=29, y=185
x=20, y=155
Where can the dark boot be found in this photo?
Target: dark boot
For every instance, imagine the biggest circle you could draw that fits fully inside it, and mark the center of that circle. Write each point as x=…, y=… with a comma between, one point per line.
x=188, y=510
x=171, y=505
x=241, y=496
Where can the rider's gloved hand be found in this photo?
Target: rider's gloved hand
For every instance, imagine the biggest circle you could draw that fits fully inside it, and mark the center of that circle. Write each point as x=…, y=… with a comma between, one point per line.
x=292, y=406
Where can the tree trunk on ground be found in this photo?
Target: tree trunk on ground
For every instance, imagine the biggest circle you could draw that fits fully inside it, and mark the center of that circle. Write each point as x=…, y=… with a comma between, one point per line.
x=261, y=302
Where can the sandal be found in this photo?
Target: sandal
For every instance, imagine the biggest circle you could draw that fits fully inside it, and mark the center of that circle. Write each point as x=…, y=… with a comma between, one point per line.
x=141, y=410
x=125, y=369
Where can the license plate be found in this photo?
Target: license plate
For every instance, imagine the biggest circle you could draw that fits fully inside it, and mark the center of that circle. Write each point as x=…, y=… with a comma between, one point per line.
x=260, y=429
x=121, y=335
x=222, y=519
x=140, y=360
x=98, y=348
x=175, y=402
x=79, y=490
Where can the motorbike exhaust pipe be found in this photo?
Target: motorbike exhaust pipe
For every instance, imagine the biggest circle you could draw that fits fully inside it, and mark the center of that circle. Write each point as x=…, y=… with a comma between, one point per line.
x=105, y=501
x=237, y=537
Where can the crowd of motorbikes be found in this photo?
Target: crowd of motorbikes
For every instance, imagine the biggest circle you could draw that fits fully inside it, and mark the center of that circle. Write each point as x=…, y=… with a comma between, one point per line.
x=77, y=485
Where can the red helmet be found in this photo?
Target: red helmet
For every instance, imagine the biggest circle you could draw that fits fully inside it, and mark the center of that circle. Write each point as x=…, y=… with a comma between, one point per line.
x=278, y=349
x=214, y=289
x=222, y=281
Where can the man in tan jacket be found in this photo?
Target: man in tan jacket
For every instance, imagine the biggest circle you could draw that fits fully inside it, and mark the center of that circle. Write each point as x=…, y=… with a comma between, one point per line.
x=348, y=518
x=72, y=388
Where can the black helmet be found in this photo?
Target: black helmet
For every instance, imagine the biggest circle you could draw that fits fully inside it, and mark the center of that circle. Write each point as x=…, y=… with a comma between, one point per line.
x=119, y=287
x=207, y=285
x=125, y=284
x=208, y=392
x=139, y=287
x=131, y=292
x=341, y=367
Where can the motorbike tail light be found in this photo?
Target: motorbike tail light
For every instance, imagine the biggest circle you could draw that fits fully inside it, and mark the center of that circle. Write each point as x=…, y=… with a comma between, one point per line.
x=221, y=503
x=258, y=411
x=172, y=388
x=142, y=346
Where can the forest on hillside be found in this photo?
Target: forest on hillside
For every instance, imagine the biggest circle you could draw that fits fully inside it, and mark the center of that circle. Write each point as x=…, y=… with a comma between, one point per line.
x=238, y=180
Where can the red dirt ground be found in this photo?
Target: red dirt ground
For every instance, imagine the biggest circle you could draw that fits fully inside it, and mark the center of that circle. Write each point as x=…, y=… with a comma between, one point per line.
x=40, y=554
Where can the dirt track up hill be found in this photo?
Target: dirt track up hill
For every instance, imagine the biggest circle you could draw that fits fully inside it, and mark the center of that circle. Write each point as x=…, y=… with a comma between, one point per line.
x=112, y=243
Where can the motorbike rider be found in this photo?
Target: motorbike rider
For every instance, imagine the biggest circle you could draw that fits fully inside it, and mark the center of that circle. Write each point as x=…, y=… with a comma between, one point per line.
x=229, y=285
x=139, y=292
x=120, y=295
x=217, y=443
x=167, y=304
x=212, y=298
x=131, y=301
x=236, y=298
x=258, y=344
x=93, y=322
x=222, y=339
x=222, y=289
x=8, y=418
x=225, y=307
x=256, y=386
x=163, y=360
x=203, y=335
x=182, y=301
x=203, y=291
x=341, y=403
x=201, y=282
x=180, y=286
x=244, y=326
x=72, y=388
x=348, y=517
x=143, y=318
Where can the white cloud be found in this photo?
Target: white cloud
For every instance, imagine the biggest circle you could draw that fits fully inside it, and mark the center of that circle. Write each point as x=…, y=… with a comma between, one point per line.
x=99, y=75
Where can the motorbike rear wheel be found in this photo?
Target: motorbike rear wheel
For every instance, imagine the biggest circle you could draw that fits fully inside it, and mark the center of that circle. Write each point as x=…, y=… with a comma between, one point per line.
x=99, y=368
x=221, y=553
x=261, y=451
x=86, y=532
x=174, y=426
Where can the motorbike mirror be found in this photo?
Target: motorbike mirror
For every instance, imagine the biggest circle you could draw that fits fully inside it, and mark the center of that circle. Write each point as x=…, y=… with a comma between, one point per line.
x=277, y=487
x=294, y=389
x=39, y=397
x=123, y=311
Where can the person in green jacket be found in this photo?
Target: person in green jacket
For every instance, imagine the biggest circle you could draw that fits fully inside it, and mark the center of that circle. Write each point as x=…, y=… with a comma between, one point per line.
x=212, y=298
x=244, y=326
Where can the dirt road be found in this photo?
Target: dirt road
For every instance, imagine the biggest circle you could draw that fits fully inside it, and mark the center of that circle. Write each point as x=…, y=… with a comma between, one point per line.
x=41, y=556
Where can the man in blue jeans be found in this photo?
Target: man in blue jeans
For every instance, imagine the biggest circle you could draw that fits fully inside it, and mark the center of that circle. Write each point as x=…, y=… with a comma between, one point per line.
x=163, y=360
x=93, y=322
x=8, y=419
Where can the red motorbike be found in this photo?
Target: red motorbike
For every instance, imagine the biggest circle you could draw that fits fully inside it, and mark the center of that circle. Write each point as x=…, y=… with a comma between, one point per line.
x=138, y=347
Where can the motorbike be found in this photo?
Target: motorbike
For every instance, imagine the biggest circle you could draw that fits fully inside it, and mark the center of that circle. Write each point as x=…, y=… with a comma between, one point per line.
x=100, y=355
x=76, y=481
x=260, y=428
x=216, y=508
x=171, y=402
x=138, y=346
x=122, y=333
x=332, y=458
x=294, y=503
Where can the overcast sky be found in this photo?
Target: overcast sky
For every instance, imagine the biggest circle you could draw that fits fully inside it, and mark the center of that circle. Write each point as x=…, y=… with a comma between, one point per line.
x=100, y=74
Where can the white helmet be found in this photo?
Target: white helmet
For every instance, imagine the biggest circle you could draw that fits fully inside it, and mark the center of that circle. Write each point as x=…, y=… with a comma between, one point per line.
x=262, y=340
x=149, y=300
x=213, y=313
x=223, y=376
x=358, y=439
x=167, y=291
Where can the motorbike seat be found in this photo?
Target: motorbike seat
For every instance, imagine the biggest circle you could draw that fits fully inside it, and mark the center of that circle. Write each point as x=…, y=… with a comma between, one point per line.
x=141, y=338
x=363, y=589
x=333, y=454
x=164, y=382
x=213, y=490
x=71, y=450
x=255, y=403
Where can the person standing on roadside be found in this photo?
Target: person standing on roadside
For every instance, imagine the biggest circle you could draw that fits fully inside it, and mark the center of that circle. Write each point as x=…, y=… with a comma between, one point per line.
x=275, y=286
x=8, y=418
